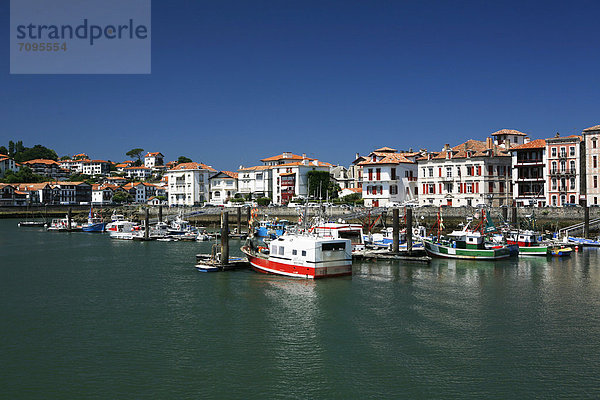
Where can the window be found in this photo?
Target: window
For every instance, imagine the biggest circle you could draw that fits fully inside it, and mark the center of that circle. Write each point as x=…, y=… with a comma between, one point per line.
x=501, y=187
x=378, y=172
x=572, y=150
x=554, y=168
x=281, y=250
x=431, y=172
x=572, y=199
x=491, y=187
x=595, y=182
x=572, y=166
x=394, y=174
x=274, y=249
x=563, y=166
x=554, y=183
x=572, y=185
x=294, y=252
x=370, y=174
x=594, y=146
x=554, y=200
x=469, y=188
x=303, y=253
x=563, y=151
x=448, y=172
x=335, y=246
x=595, y=162
x=393, y=189
x=458, y=171
x=563, y=199
x=431, y=188
x=553, y=152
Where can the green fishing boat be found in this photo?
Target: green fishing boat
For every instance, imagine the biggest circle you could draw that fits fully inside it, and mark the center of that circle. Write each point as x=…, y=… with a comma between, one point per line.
x=468, y=245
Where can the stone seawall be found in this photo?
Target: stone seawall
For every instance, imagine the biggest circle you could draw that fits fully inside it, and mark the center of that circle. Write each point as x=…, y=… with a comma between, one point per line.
x=547, y=218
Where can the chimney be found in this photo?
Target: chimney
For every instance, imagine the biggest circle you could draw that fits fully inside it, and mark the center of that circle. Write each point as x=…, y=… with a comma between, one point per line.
x=410, y=149
x=303, y=155
x=357, y=155
x=557, y=134
x=446, y=147
x=526, y=140
x=488, y=143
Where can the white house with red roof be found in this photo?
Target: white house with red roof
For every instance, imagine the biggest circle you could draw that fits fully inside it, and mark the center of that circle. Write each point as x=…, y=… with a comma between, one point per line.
x=470, y=174
x=281, y=177
x=189, y=184
x=389, y=177
x=7, y=164
x=529, y=173
x=152, y=160
x=223, y=186
x=96, y=167
x=47, y=168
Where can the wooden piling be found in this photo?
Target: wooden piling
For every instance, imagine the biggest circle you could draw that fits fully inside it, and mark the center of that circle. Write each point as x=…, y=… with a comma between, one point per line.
x=160, y=213
x=409, y=231
x=505, y=213
x=224, y=238
x=239, y=220
x=147, y=225
x=586, y=221
x=69, y=218
x=396, y=230
x=513, y=215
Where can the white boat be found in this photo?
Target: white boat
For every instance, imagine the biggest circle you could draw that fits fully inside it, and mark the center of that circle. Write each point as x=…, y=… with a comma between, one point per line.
x=302, y=256
x=125, y=230
x=62, y=225
x=179, y=226
x=332, y=230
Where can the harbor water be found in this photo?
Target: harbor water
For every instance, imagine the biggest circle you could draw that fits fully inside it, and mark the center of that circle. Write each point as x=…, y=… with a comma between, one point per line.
x=86, y=316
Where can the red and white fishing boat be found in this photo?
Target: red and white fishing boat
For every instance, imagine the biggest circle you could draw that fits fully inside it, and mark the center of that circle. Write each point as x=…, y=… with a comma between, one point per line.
x=302, y=256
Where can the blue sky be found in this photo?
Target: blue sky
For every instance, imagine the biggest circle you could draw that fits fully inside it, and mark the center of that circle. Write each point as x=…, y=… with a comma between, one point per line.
x=236, y=81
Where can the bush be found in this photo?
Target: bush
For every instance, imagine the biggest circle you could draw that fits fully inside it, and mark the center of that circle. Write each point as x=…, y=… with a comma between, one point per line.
x=237, y=200
x=263, y=201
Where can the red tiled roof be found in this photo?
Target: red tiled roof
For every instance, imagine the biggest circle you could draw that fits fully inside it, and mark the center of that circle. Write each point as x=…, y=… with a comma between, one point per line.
x=592, y=128
x=288, y=156
x=387, y=150
x=534, y=144
x=256, y=168
x=508, y=132
x=138, y=168
x=192, y=165
x=153, y=154
x=231, y=174
x=388, y=158
x=41, y=161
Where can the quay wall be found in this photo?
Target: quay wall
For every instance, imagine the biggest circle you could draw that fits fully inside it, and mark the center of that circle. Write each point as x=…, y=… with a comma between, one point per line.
x=547, y=218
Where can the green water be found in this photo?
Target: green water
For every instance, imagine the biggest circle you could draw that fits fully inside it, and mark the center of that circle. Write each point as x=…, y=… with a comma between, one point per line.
x=84, y=316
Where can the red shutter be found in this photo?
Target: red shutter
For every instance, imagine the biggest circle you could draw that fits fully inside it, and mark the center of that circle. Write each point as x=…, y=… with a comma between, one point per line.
x=476, y=187
x=440, y=172
x=440, y=186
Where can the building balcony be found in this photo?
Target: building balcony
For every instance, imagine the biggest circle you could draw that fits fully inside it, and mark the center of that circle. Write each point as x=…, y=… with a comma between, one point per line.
x=535, y=161
x=563, y=172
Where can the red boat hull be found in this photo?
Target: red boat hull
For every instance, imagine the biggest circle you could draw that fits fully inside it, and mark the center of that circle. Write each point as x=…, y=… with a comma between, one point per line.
x=267, y=266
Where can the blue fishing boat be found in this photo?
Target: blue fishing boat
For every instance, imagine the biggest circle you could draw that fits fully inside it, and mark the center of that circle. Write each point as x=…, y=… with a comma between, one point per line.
x=271, y=229
x=94, y=223
x=584, y=241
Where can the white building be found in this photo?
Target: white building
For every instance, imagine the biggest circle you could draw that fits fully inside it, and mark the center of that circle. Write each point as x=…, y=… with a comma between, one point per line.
x=142, y=191
x=103, y=194
x=223, y=186
x=96, y=168
x=75, y=166
x=141, y=173
x=389, y=177
x=7, y=164
x=470, y=174
x=152, y=160
x=290, y=180
x=509, y=138
x=529, y=173
x=591, y=136
x=189, y=184
x=255, y=181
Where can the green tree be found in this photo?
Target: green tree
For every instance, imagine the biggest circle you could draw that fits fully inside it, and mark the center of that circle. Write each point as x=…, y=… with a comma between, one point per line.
x=3, y=150
x=23, y=175
x=135, y=153
x=65, y=158
x=183, y=159
x=263, y=201
x=122, y=197
x=11, y=148
x=321, y=185
x=35, y=152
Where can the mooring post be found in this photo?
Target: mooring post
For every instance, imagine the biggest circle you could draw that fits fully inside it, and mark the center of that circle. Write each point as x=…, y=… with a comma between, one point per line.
x=69, y=218
x=224, y=238
x=409, y=231
x=239, y=220
x=505, y=213
x=160, y=213
x=147, y=225
x=586, y=221
x=396, y=230
x=513, y=215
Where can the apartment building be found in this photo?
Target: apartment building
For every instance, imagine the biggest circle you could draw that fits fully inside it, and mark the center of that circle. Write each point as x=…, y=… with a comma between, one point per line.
x=189, y=184
x=564, y=155
x=591, y=189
